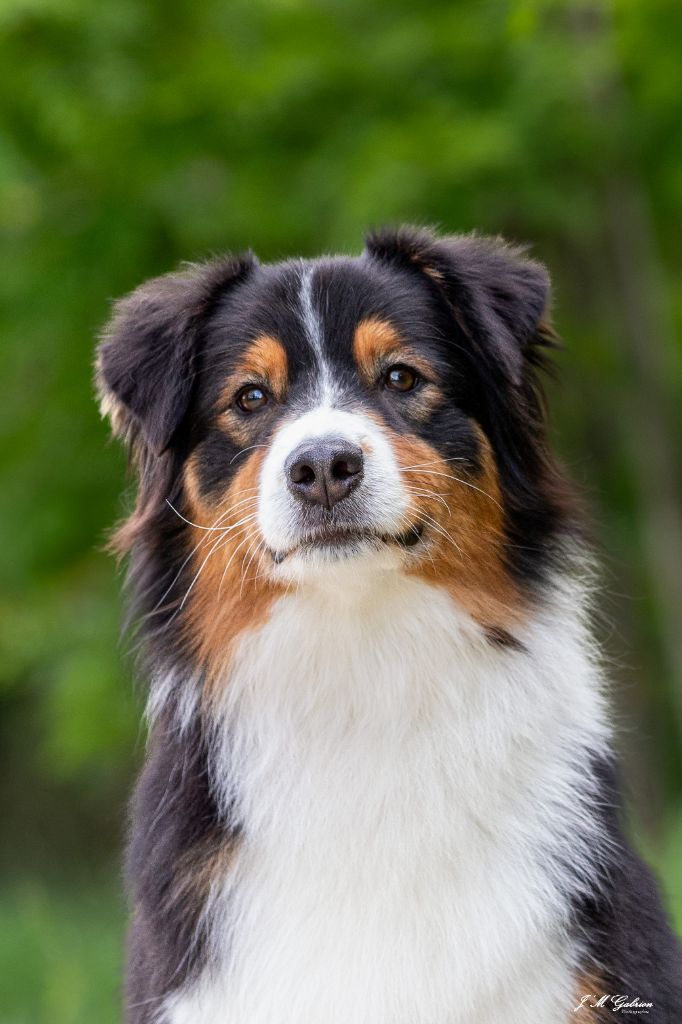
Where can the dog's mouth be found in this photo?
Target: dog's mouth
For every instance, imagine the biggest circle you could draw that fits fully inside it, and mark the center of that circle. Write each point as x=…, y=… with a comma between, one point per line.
x=348, y=541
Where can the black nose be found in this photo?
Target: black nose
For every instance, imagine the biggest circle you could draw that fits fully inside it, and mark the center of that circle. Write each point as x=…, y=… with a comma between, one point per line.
x=324, y=471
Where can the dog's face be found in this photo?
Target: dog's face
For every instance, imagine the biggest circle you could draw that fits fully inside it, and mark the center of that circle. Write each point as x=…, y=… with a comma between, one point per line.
x=334, y=419
x=329, y=390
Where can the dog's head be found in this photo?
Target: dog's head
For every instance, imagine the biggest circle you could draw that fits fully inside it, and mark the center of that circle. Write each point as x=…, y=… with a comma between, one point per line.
x=327, y=421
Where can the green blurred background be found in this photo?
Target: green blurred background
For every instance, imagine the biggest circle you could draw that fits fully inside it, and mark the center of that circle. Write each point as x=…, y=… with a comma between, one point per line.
x=135, y=135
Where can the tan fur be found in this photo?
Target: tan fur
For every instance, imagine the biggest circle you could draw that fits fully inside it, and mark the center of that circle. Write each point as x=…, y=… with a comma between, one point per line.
x=231, y=594
x=112, y=409
x=469, y=561
x=375, y=340
x=264, y=362
x=377, y=345
x=590, y=984
x=266, y=359
x=204, y=864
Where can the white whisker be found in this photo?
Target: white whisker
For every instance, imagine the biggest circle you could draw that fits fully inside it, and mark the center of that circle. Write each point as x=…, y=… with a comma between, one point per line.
x=249, y=502
x=260, y=575
x=231, y=560
x=249, y=449
x=435, y=462
x=465, y=483
x=245, y=568
x=221, y=539
x=157, y=607
x=429, y=494
x=440, y=529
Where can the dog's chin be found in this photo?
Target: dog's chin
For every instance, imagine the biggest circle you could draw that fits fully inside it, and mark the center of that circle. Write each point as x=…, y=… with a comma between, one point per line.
x=332, y=552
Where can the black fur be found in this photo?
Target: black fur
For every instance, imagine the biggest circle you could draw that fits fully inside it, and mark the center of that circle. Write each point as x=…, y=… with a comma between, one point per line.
x=631, y=947
x=148, y=355
x=176, y=830
x=495, y=294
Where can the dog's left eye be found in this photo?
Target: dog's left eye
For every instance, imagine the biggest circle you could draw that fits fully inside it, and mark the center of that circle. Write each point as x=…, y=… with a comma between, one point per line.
x=400, y=378
x=252, y=398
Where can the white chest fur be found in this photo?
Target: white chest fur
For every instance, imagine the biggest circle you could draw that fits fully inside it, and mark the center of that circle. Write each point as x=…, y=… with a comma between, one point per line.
x=410, y=797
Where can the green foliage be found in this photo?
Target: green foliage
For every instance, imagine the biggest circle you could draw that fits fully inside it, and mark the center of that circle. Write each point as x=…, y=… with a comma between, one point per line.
x=60, y=954
x=668, y=860
x=138, y=135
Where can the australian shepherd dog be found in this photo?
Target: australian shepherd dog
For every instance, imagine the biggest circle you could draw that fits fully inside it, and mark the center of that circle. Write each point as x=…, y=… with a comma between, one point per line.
x=379, y=785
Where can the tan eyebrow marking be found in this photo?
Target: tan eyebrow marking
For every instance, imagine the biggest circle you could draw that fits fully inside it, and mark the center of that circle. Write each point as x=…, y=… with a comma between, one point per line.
x=373, y=340
x=266, y=359
x=376, y=344
x=376, y=341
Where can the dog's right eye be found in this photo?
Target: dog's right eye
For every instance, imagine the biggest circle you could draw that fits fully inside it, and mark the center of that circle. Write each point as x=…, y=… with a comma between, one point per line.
x=252, y=398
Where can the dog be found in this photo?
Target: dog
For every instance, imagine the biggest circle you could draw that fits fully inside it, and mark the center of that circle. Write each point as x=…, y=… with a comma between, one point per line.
x=380, y=785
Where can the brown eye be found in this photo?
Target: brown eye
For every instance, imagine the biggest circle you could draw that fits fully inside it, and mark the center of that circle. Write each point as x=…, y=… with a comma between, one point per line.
x=252, y=398
x=400, y=378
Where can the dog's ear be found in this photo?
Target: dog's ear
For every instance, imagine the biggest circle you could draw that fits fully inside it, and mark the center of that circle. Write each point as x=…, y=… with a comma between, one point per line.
x=148, y=354
x=496, y=295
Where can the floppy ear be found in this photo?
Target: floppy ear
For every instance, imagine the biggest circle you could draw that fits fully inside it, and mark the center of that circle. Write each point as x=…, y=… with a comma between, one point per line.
x=496, y=295
x=148, y=353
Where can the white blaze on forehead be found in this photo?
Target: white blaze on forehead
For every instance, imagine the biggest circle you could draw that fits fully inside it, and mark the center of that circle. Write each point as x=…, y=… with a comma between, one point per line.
x=381, y=495
x=312, y=327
